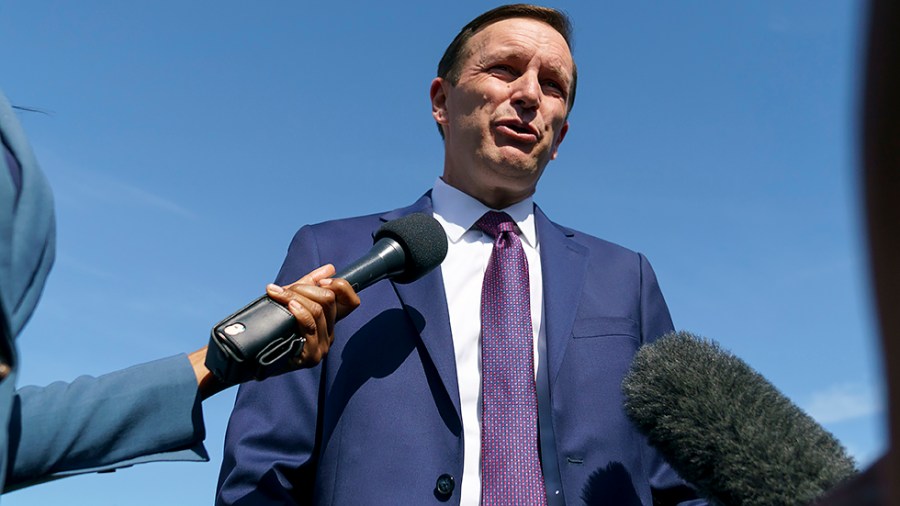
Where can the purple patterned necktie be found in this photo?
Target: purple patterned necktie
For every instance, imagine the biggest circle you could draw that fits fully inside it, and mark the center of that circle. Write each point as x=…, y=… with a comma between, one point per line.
x=510, y=466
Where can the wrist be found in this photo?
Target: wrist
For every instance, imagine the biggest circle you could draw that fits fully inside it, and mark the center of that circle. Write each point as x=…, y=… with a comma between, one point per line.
x=207, y=384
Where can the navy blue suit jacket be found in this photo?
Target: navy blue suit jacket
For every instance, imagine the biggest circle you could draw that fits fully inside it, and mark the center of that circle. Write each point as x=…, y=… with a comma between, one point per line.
x=378, y=421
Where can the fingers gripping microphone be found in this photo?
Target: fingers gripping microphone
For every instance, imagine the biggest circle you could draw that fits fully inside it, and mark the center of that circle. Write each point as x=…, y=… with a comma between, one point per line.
x=264, y=331
x=727, y=430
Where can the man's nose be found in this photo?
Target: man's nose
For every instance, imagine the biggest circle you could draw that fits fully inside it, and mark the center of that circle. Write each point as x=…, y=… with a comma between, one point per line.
x=526, y=91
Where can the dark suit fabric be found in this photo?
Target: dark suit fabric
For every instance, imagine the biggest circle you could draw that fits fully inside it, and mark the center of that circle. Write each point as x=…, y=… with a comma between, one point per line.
x=378, y=421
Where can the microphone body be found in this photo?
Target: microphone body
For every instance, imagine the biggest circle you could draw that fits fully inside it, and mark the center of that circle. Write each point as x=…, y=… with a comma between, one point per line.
x=405, y=249
x=384, y=260
x=258, y=335
x=727, y=430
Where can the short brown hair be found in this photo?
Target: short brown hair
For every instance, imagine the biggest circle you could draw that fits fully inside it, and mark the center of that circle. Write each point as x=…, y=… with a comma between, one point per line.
x=449, y=66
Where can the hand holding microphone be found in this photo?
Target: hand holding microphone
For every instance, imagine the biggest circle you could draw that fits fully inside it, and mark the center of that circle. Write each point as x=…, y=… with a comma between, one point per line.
x=262, y=333
x=316, y=302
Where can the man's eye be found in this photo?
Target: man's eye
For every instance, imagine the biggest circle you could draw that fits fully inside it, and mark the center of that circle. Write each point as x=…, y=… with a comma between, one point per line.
x=502, y=69
x=555, y=87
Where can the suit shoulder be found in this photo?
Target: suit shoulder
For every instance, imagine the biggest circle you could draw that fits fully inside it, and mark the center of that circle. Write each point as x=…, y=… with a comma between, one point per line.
x=336, y=235
x=342, y=225
x=353, y=228
x=597, y=245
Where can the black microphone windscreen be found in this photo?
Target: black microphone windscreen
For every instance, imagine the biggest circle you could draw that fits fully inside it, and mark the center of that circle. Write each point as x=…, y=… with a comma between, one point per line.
x=422, y=239
x=727, y=430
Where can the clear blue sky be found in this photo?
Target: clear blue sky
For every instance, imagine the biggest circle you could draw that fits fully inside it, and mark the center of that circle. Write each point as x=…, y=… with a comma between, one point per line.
x=187, y=141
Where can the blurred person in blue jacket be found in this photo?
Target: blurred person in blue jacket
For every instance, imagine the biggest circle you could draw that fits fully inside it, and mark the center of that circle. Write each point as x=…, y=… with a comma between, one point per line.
x=149, y=412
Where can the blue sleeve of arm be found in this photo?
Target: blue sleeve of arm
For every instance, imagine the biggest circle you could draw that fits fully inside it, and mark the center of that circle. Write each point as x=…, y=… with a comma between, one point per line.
x=668, y=488
x=655, y=318
x=149, y=412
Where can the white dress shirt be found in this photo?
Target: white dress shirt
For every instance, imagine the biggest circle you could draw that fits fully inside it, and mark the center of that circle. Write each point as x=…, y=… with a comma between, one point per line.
x=469, y=250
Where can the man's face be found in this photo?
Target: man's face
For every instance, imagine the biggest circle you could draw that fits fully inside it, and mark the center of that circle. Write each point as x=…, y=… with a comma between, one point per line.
x=504, y=119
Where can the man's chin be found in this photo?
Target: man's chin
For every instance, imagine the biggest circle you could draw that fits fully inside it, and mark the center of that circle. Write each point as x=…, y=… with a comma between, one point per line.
x=517, y=167
x=521, y=160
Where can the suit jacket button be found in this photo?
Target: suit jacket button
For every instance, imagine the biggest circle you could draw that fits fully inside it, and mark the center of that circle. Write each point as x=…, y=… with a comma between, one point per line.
x=444, y=485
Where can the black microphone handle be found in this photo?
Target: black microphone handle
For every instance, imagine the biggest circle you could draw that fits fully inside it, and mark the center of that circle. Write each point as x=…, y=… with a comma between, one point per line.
x=385, y=259
x=267, y=329
x=244, y=344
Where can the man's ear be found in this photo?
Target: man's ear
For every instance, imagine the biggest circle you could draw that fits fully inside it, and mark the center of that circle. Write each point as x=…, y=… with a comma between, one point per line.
x=439, y=100
x=562, y=135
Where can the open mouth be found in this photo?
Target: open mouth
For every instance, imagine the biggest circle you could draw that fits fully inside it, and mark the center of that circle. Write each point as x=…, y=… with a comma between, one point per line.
x=519, y=131
x=522, y=129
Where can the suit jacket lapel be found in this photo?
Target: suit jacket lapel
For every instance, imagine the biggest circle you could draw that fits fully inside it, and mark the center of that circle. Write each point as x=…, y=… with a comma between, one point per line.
x=425, y=302
x=563, y=266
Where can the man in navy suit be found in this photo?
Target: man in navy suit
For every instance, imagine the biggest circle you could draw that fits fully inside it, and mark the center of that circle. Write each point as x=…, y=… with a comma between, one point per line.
x=393, y=413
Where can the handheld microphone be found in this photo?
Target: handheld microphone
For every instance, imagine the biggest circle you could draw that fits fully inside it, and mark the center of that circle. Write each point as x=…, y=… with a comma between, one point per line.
x=727, y=430
x=261, y=333
x=405, y=249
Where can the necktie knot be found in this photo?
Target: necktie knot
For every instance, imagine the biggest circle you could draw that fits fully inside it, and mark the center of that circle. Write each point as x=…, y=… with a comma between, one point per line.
x=494, y=223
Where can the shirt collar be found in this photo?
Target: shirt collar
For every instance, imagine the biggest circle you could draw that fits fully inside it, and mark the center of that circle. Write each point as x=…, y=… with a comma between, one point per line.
x=457, y=212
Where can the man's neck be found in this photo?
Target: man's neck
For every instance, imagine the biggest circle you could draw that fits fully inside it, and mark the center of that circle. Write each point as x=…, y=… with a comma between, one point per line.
x=493, y=197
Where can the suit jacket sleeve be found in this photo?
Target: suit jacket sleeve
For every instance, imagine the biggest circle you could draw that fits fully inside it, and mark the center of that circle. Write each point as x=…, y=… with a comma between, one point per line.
x=667, y=486
x=150, y=412
x=269, y=444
